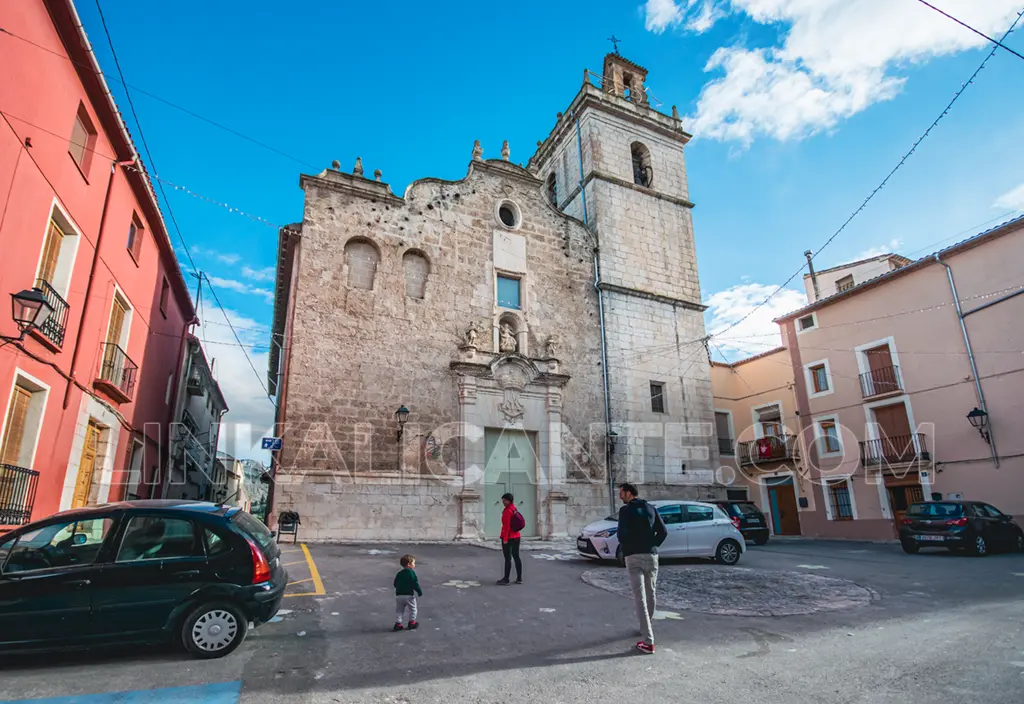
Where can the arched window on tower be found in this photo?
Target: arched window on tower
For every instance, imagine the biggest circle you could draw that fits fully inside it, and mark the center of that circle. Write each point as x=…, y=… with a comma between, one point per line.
x=643, y=173
x=417, y=269
x=361, y=258
x=552, y=188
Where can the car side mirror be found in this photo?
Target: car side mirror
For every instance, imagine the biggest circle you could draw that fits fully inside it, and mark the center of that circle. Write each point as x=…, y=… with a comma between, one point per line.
x=273, y=534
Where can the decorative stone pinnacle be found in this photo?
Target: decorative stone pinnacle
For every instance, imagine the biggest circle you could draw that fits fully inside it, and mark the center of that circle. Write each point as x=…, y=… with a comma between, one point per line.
x=505, y=150
x=377, y=174
x=335, y=164
x=358, y=170
x=478, y=151
x=675, y=112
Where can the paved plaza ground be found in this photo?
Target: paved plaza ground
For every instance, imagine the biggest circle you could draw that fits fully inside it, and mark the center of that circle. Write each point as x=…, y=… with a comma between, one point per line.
x=797, y=621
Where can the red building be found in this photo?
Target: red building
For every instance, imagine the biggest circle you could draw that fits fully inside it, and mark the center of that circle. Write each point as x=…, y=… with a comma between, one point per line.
x=87, y=396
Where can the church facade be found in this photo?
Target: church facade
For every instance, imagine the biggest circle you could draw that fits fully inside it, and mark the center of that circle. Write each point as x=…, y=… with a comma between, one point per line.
x=531, y=330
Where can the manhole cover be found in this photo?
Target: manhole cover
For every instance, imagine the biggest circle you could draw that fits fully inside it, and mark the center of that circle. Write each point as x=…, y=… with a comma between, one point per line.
x=740, y=591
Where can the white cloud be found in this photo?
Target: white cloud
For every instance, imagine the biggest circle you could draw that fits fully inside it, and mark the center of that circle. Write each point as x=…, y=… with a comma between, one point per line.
x=241, y=287
x=756, y=333
x=835, y=58
x=888, y=248
x=229, y=258
x=251, y=413
x=265, y=274
x=1011, y=200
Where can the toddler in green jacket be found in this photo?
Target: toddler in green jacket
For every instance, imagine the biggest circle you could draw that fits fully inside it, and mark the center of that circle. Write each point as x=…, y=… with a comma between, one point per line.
x=406, y=589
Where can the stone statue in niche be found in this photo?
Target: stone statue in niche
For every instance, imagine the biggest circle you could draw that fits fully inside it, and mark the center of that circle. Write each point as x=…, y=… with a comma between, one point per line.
x=472, y=333
x=506, y=338
x=551, y=346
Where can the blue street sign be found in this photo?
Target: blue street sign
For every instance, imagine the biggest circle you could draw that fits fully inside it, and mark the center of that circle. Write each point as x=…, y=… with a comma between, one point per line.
x=271, y=443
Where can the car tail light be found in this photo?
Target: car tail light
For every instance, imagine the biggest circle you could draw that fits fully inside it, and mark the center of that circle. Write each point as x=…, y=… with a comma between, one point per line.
x=260, y=566
x=907, y=521
x=736, y=522
x=957, y=522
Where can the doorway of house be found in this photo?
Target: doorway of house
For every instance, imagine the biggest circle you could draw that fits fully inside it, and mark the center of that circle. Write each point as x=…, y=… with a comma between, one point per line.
x=87, y=465
x=510, y=468
x=902, y=492
x=782, y=503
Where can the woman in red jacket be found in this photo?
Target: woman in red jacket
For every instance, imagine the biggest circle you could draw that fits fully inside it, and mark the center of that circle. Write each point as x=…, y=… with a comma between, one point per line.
x=510, y=540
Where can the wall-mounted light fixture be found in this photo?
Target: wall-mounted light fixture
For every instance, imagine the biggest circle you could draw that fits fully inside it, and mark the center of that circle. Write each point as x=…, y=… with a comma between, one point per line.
x=402, y=415
x=30, y=309
x=979, y=419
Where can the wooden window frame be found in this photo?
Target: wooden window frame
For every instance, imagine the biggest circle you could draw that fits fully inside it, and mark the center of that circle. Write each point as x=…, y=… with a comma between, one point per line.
x=81, y=154
x=136, y=235
x=658, y=397
x=165, y=294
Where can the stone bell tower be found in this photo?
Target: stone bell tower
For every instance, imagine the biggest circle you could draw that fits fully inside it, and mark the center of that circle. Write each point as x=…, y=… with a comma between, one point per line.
x=615, y=161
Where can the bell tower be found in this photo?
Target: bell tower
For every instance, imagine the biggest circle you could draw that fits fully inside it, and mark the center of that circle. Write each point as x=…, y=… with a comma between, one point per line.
x=617, y=162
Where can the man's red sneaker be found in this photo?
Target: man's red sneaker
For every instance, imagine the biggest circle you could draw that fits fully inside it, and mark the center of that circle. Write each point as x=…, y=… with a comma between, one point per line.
x=645, y=648
x=413, y=625
x=398, y=627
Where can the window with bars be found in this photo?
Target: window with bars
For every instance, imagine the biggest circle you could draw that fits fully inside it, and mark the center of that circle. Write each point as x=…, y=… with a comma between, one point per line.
x=839, y=496
x=657, y=397
x=844, y=284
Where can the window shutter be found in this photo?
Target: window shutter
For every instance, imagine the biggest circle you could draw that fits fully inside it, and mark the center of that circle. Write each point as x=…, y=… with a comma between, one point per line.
x=79, y=140
x=51, y=253
x=17, y=416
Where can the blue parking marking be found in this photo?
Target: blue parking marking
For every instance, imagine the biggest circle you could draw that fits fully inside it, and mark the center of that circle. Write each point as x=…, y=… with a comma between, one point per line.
x=219, y=693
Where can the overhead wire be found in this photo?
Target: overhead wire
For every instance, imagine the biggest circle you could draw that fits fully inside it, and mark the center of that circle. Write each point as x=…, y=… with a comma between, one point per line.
x=976, y=31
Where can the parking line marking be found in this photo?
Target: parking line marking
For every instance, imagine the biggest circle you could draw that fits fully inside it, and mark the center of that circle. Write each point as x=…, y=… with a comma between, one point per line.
x=314, y=576
x=292, y=564
x=301, y=581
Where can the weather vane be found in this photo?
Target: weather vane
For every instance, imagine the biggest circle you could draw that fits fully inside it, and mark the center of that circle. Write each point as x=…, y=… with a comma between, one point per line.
x=615, y=43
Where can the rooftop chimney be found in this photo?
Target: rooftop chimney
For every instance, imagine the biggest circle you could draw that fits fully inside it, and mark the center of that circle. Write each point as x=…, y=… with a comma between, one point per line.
x=814, y=277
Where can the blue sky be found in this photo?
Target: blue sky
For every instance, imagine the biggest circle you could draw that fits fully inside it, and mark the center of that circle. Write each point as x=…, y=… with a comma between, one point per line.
x=799, y=107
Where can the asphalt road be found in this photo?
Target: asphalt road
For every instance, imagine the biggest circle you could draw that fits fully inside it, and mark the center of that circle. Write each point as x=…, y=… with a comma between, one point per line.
x=932, y=627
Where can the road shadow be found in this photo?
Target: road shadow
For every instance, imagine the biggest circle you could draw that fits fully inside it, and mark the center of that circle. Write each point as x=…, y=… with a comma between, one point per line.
x=98, y=655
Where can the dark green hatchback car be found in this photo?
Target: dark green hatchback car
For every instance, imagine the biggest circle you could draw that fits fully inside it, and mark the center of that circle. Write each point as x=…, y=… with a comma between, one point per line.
x=139, y=571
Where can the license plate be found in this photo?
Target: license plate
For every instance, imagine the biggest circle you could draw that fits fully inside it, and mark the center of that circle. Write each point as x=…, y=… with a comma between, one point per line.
x=754, y=521
x=936, y=538
x=581, y=543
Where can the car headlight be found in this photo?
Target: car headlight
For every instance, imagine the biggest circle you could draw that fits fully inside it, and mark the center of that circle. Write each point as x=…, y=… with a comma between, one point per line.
x=606, y=533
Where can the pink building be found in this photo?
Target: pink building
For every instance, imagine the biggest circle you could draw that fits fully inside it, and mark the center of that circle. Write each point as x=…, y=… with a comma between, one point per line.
x=884, y=372
x=87, y=397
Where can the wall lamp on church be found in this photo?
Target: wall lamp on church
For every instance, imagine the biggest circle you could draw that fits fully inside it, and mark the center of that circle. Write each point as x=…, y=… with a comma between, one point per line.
x=979, y=419
x=401, y=415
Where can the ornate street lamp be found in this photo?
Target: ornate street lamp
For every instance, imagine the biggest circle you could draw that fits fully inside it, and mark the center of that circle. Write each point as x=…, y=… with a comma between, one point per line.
x=30, y=309
x=979, y=419
x=402, y=415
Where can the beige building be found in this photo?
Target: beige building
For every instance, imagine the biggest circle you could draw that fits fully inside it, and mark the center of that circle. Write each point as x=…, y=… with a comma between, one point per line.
x=472, y=337
x=885, y=374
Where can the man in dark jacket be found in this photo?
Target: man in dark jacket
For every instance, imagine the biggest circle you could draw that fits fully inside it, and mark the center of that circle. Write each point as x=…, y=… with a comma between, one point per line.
x=640, y=532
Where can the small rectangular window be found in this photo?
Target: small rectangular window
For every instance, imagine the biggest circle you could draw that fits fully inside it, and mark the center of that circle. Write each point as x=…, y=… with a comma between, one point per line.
x=83, y=139
x=830, y=436
x=670, y=514
x=135, y=231
x=165, y=289
x=657, y=397
x=844, y=284
x=508, y=292
x=839, y=495
x=819, y=378
x=170, y=388
x=806, y=322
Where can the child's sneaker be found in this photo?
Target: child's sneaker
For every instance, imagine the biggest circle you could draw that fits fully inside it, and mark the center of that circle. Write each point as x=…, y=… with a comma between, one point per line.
x=398, y=627
x=413, y=625
x=645, y=648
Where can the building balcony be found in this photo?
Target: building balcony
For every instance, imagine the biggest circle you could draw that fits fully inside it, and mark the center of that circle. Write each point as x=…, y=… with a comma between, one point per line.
x=880, y=382
x=117, y=373
x=17, y=494
x=768, y=449
x=726, y=446
x=56, y=324
x=899, y=450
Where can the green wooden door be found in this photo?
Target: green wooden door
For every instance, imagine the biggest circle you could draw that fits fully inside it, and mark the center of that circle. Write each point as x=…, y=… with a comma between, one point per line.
x=510, y=467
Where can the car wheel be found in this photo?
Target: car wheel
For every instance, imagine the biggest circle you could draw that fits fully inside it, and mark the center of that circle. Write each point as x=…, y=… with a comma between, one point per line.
x=761, y=540
x=213, y=630
x=728, y=552
x=909, y=547
x=620, y=559
x=1019, y=544
x=980, y=548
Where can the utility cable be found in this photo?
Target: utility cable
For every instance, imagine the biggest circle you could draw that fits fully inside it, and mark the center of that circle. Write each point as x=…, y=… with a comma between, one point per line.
x=967, y=26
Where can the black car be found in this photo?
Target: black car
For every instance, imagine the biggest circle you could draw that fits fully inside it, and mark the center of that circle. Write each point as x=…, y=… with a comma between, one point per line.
x=973, y=526
x=139, y=571
x=747, y=518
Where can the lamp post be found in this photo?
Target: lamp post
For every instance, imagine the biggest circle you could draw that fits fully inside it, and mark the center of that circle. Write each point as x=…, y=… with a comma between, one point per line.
x=979, y=419
x=402, y=415
x=30, y=309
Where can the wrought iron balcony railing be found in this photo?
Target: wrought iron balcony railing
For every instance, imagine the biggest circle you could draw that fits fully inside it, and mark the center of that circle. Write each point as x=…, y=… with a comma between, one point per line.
x=880, y=381
x=898, y=449
x=768, y=449
x=118, y=372
x=17, y=494
x=56, y=324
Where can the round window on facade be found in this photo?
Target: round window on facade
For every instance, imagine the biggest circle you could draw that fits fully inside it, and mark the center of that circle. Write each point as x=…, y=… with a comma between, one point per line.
x=508, y=214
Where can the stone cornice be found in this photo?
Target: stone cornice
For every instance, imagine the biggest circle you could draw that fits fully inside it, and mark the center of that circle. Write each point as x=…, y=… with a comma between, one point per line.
x=609, y=178
x=483, y=370
x=350, y=184
x=638, y=293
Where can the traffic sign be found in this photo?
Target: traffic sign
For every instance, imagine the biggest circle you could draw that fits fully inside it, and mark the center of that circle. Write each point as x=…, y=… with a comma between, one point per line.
x=271, y=443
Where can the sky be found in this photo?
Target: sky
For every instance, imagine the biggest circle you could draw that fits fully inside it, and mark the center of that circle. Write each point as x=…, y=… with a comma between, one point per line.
x=799, y=109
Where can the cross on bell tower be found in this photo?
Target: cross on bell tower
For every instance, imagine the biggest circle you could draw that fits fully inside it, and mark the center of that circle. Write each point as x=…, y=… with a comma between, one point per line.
x=615, y=43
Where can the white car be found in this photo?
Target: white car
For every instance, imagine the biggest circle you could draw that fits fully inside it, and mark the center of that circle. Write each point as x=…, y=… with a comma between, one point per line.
x=695, y=529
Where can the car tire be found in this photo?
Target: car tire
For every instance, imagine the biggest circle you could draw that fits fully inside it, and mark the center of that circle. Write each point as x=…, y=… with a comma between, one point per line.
x=980, y=547
x=620, y=559
x=728, y=552
x=214, y=630
x=909, y=547
x=1018, y=544
x=761, y=540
